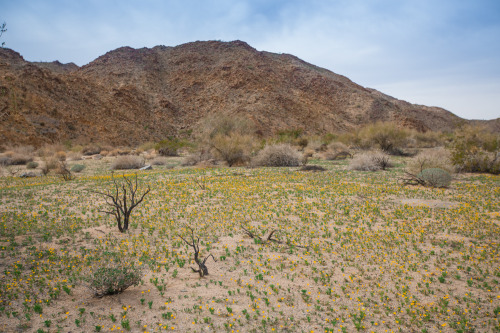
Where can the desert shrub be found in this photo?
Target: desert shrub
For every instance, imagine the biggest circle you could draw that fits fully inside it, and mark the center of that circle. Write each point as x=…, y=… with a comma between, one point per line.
x=77, y=168
x=385, y=135
x=170, y=146
x=159, y=161
x=4, y=160
x=234, y=148
x=278, y=155
x=32, y=165
x=74, y=156
x=49, y=163
x=197, y=157
x=475, y=149
x=314, y=168
x=112, y=275
x=61, y=155
x=19, y=159
x=431, y=158
x=435, y=177
x=336, y=150
x=215, y=125
x=127, y=162
x=370, y=161
x=427, y=139
x=91, y=150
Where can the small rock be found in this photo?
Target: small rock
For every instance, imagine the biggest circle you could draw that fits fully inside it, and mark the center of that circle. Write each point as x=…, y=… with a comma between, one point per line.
x=146, y=167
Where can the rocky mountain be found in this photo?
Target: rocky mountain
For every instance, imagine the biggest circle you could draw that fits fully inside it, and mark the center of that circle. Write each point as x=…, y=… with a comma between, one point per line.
x=129, y=96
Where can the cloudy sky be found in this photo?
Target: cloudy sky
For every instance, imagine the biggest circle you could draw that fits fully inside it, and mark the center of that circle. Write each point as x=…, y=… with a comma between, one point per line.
x=434, y=52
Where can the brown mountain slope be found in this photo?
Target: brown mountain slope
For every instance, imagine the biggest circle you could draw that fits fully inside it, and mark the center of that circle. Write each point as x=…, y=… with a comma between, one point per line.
x=128, y=96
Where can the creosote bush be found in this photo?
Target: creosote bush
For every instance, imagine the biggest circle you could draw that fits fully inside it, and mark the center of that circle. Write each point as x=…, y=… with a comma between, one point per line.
x=384, y=135
x=370, y=161
x=127, y=162
x=77, y=168
x=234, y=148
x=431, y=158
x=279, y=155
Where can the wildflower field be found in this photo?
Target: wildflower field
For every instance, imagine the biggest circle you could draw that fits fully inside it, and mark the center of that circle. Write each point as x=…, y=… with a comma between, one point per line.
x=355, y=251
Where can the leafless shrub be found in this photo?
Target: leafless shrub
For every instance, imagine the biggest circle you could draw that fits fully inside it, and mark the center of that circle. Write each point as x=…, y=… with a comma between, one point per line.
x=127, y=162
x=370, y=161
x=63, y=171
x=123, y=200
x=233, y=148
x=49, y=163
x=159, y=161
x=91, y=150
x=279, y=155
x=431, y=158
x=197, y=157
x=202, y=268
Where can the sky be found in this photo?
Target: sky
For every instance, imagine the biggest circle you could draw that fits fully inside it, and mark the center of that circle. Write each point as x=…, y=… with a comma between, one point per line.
x=442, y=53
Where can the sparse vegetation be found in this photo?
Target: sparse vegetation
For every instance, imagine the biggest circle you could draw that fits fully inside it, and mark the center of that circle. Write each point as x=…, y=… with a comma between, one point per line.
x=278, y=155
x=370, y=161
x=127, y=162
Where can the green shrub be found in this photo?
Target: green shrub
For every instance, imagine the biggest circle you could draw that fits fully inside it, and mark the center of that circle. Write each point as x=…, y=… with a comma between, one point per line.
x=279, y=155
x=385, y=135
x=77, y=168
x=112, y=275
x=170, y=147
x=32, y=165
x=435, y=177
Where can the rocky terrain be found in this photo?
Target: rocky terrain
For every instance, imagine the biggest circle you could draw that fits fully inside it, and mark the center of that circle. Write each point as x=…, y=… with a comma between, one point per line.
x=129, y=96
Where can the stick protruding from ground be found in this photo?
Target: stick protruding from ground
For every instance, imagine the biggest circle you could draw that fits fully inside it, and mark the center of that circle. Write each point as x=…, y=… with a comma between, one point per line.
x=202, y=268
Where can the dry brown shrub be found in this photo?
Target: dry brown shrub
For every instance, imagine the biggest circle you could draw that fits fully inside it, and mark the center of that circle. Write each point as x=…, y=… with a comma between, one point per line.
x=74, y=156
x=127, y=162
x=279, y=155
x=49, y=163
x=159, y=161
x=234, y=149
x=370, y=161
x=431, y=158
x=61, y=155
x=197, y=157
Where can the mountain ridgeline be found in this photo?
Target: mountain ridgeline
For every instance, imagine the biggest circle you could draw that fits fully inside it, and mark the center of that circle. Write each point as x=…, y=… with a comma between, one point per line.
x=129, y=96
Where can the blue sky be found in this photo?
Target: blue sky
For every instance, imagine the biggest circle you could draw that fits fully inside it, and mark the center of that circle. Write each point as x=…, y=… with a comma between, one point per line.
x=434, y=52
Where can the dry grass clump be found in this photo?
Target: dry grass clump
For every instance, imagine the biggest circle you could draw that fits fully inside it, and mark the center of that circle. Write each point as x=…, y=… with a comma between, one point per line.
x=17, y=155
x=431, y=158
x=279, y=155
x=127, y=162
x=370, y=161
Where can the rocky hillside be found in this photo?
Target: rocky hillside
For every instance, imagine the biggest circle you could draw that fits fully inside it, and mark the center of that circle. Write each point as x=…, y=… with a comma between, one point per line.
x=129, y=96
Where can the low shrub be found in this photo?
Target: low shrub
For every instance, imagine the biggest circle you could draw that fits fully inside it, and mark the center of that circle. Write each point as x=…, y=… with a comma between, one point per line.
x=91, y=150
x=112, y=275
x=77, y=168
x=337, y=151
x=435, y=177
x=32, y=165
x=314, y=168
x=127, y=162
x=279, y=155
x=370, y=161
x=387, y=136
x=431, y=158
x=198, y=157
x=170, y=147
x=61, y=155
x=159, y=161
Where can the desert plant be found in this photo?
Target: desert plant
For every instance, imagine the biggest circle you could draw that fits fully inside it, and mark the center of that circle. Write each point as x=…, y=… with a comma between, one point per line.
x=195, y=244
x=385, y=135
x=159, y=161
x=434, y=177
x=91, y=150
x=278, y=155
x=431, y=158
x=170, y=146
x=475, y=149
x=49, y=163
x=64, y=171
x=123, y=200
x=112, y=275
x=32, y=165
x=370, y=161
x=77, y=168
x=127, y=162
x=203, y=154
x=233, y=148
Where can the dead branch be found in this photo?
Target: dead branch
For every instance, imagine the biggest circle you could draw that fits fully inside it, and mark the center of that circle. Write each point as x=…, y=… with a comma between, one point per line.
x=269, y=238
x=123, y=201
x=64, y=172
x=202, y=268
x=411, y=179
